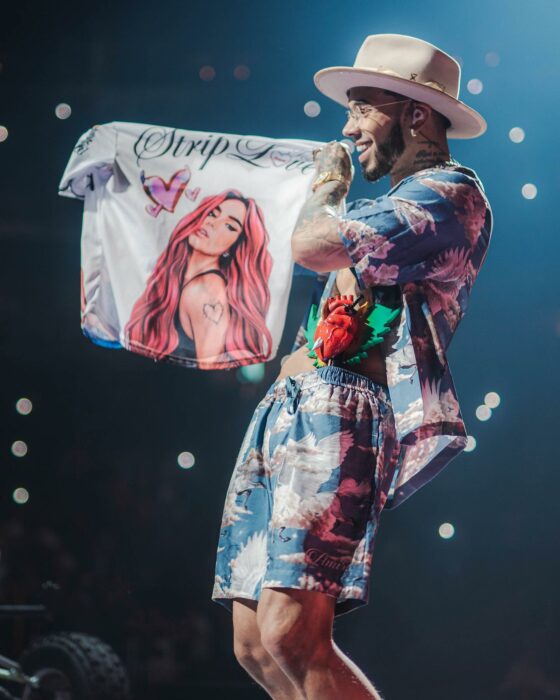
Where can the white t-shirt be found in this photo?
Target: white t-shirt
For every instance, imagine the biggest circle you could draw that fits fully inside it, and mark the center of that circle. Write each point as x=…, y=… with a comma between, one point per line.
x=186, y=240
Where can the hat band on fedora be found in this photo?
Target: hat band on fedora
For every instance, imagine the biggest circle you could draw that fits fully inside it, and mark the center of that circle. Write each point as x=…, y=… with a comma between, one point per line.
x=388, y=71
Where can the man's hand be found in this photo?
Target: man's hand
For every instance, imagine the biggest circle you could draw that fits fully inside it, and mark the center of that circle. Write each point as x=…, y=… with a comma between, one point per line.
x=334, y=157
x=315, y=241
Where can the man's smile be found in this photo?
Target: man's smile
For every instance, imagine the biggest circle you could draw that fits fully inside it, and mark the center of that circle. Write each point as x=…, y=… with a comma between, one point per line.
x=363, y=148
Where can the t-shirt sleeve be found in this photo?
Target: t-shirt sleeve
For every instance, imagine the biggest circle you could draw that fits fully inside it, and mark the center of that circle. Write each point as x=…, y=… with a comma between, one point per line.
x=426, y=229
x=91, y=163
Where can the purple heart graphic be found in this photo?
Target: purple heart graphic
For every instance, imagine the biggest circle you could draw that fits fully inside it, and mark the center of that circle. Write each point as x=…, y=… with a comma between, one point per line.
x=192, y=194
x=164, y=195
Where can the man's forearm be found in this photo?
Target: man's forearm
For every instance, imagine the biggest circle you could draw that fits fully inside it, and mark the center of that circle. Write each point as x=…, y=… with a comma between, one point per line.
x=316, y=243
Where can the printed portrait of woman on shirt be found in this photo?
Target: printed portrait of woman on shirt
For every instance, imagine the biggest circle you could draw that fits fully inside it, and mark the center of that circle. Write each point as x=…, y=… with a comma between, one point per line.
x=208, y=296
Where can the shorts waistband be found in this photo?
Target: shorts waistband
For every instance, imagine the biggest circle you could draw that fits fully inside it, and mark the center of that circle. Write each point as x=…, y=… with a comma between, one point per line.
x=329, y=374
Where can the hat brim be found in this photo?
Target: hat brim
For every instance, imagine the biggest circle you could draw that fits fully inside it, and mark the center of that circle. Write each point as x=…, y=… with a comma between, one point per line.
x=335, y=82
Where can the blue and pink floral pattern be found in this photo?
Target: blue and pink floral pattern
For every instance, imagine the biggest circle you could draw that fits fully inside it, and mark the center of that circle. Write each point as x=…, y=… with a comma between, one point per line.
x=429, y=235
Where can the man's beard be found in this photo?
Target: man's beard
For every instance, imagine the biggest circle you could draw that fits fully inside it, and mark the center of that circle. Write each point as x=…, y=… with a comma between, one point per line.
x=387, y=155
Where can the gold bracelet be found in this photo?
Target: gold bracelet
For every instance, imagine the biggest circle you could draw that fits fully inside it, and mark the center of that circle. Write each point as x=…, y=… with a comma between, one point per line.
x=328, y=176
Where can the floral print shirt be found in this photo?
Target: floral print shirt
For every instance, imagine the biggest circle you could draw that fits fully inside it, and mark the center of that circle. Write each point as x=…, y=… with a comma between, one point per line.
x=429, y=236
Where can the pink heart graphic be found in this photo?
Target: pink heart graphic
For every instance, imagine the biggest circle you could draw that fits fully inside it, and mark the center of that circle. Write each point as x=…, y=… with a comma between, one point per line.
x=164, y=195
x=280, y=158
x=192, y=194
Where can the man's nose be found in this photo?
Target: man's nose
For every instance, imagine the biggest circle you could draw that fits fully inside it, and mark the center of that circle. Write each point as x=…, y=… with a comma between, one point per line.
x=350, y=129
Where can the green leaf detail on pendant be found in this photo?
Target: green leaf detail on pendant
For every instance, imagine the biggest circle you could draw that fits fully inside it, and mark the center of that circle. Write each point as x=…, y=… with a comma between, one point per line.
x=377, y=325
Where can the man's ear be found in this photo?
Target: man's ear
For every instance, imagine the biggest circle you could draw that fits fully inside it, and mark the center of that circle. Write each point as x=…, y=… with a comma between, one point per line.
x=419, y=114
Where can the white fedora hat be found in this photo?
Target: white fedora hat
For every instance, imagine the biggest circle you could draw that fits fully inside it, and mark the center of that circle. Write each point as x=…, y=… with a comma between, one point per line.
x=410, y=67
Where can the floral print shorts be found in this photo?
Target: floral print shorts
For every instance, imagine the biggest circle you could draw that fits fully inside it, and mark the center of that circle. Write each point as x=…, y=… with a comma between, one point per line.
x=304, y=501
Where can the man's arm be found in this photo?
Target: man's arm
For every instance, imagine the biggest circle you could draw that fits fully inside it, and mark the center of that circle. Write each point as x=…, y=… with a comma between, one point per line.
x=429, y=230
x=316, y=243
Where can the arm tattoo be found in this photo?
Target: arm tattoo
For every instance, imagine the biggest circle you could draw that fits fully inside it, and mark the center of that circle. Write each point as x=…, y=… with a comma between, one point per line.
x=213, y=312
x=318, y=223
x=318, y=214
x=315, y=239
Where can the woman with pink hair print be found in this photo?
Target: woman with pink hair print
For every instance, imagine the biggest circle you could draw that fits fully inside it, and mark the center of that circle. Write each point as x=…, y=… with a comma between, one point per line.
x=208, y=296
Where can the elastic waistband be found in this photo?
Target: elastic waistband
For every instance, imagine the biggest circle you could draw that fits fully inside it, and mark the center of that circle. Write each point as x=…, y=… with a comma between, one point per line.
x=329, y=374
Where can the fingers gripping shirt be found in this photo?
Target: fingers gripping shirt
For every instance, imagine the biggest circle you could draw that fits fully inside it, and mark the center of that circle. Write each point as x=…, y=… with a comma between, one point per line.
x=429, y=235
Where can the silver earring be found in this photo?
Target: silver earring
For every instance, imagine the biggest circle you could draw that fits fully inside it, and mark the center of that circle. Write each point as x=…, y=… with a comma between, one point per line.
x=412, y=133
x=225, y=255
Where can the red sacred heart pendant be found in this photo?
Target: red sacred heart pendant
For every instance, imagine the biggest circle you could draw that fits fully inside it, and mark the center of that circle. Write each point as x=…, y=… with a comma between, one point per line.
x=339, y=327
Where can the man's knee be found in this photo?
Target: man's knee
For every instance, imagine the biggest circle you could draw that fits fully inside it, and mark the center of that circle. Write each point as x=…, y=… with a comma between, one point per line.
x=247, y=646
x=249, y=651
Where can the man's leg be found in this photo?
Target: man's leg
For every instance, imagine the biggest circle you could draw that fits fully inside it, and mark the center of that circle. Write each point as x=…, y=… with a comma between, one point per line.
x=296, y=630
x=254, y=658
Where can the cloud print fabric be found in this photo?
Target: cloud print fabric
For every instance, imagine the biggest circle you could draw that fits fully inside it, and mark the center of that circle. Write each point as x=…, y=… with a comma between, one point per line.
x=186, y=240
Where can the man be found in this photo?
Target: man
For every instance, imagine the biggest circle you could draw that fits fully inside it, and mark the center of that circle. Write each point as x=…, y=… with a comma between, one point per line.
x=330, y=446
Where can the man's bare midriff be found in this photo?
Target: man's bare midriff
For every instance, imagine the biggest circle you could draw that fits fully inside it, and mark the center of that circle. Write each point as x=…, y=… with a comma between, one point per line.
x=373, y=366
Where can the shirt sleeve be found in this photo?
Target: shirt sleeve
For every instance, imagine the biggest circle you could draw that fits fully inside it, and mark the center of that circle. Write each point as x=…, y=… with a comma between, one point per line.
x=91, y=163
x=425, y=229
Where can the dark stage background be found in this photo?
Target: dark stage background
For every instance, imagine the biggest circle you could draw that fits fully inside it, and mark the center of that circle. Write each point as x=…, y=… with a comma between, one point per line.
x=111, y=518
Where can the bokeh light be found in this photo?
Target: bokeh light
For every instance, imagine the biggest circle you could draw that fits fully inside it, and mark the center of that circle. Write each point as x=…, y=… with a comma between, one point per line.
x=63, y=110
x=241, y=72
x=492, y=59
x=3, y=133
x=185, y=460
x=19, y=448
x=492, y=399
x=312, y=108
x=471, y=444
x=207, y=73
x=446, y=531
x=516, y=134
x=252, y=374
x=475, y=86
x=529, y=191
x=351, y=145
x=24, y=406
x=20, y=496
x=483, y=412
